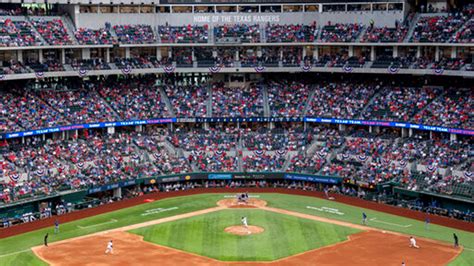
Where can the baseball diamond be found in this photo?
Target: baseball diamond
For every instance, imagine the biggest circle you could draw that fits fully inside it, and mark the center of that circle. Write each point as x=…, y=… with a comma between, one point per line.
x=193, y=231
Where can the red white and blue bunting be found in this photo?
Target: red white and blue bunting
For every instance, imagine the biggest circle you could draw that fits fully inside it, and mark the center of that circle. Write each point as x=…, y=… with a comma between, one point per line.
x=431, y=168
x=215, y=69
x=306, y=68
x=169, y=69
x=259, y=69
x=15, y=177
x=393, y=69
x=403, y=163
x=362, y=158
x=347, y=69
x=258, y=153
x=438, y=71
x=468, y=174
x=39, y=75
x=157, y=155
x=127, y=70
x=40, y=172
x=82, y=72
x=322, y=154
x=281, y=153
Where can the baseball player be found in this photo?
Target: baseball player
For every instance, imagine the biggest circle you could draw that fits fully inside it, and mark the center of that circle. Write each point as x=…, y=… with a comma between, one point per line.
x=56, y=226
x=46, y=240
x=413, y=242
x=110, y=248
x=245, y=224
x=456, y=240
x=364, y=218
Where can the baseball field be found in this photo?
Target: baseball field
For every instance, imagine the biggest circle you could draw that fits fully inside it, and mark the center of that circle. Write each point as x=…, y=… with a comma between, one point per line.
x=206, y=229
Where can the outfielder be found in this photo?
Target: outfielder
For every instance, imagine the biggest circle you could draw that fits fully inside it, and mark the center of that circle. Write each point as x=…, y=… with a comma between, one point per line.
x=110, y=248
x=413, y=242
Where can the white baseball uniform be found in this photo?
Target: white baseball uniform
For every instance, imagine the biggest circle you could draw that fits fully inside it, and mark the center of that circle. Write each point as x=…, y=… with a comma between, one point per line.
x=244, y=221
x=110, y=248
x=413, y=243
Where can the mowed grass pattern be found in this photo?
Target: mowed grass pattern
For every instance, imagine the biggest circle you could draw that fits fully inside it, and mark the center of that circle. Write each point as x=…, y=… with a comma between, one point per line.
x=283, y=236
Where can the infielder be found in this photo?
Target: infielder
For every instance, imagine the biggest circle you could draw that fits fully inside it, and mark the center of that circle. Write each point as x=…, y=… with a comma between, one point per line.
x=364, y=218
x=245, y=224
x=110, y=248
x=413, y=242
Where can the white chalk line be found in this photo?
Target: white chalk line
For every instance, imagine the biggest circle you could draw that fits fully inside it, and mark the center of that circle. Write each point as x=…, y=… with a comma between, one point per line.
x=14, y=253
x=94, y=225
x=394, y=224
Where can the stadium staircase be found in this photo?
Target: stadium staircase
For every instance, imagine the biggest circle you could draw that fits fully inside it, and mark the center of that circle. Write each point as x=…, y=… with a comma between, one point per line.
x=263, y=35
x=27, y=19
x=287, y=162
x=115, y=113
x=70, y=28
x=166, y=100
x=435, y=99
x=362, y=32
x=209, y=101
x=266, y=102
x=309, y=101
x=412, y=27
x=375, y=96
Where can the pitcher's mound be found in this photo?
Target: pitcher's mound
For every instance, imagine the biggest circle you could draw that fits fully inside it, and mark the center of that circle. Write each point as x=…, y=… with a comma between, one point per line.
x=251, y=203
x=242, y=231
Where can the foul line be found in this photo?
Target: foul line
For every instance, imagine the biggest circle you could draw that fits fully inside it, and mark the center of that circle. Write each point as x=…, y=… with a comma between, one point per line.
x=14, y=253
x=394, y=224
x=109, y=222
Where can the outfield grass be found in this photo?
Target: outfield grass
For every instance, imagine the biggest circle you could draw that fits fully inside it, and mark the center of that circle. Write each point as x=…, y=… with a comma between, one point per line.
x=196, y=202
x=283, y=236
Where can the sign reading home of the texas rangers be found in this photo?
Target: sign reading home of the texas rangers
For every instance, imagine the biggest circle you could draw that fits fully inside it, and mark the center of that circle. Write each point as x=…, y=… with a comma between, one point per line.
x=236, y=18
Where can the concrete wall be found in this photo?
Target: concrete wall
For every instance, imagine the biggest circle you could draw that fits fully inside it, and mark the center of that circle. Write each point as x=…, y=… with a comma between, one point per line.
x=381, y=18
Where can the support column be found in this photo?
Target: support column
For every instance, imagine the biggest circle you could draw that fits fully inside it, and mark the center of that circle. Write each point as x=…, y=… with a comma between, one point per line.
x=304, y=52
x=418, y=52
x=40, y=56
x=437, y=53
x=316, y=53
x=158, y=53
x=370, y=129
x=431, y=134
x=351, y=51
x=19, y=55
x=107, y=55
x=372, y=53
x=404, y=132
x=410, y=132
x=237, y=55
x=395, y=51
x=63, y=56
x=454, y=52
x=127, y=52
x=139, y=128
x=86, y=53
